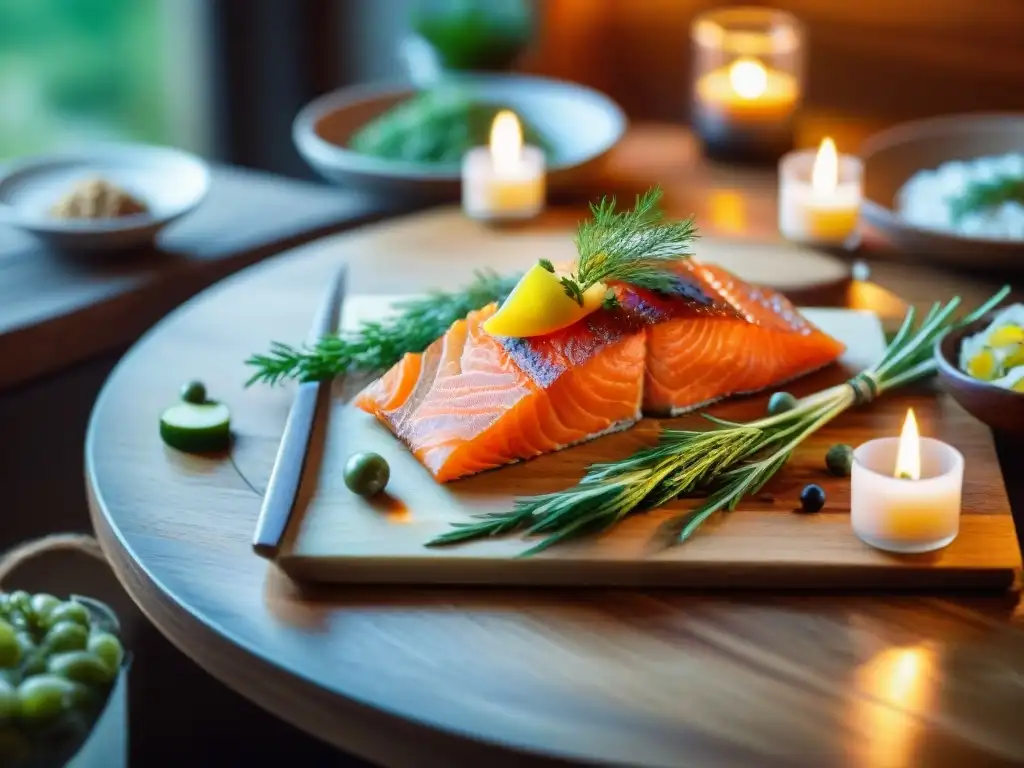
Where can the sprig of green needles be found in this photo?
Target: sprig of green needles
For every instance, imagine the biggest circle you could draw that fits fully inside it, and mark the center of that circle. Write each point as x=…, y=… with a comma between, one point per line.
x=635, y=246
x=982, y=195
x=727, y=462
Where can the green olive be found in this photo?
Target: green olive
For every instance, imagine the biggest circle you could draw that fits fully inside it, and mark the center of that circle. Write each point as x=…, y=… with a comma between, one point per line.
x=66, y=636
x=42, y=697
x=42, y=606
x=21, y=601
x=80, y=666
x=69, y=611
x=107, y=648
x=367, y=473
x=8, y=700
x=10, y=651
x=839, y=460
x=194, y=392
x=780, y=402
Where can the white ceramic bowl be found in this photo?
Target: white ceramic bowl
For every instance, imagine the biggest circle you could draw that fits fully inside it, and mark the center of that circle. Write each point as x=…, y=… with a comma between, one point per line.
x=581, y=125
x=171, y=183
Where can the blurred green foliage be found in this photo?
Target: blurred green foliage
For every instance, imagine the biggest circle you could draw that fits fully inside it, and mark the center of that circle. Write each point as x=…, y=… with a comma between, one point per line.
x=72, y=69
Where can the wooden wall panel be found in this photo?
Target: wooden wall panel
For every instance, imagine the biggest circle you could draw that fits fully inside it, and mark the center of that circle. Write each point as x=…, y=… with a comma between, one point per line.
x=892, y=58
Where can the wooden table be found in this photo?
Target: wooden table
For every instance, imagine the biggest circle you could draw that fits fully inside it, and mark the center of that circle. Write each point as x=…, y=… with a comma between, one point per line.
x=461, y=677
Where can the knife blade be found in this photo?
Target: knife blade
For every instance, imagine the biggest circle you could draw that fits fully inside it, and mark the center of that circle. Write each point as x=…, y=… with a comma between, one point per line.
x=286, y=476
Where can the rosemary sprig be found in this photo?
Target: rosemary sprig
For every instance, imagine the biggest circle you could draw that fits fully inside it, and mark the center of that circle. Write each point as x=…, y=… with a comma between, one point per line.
x=635, y=246
x=377, y=345
x=729, y=461
x=982, y=195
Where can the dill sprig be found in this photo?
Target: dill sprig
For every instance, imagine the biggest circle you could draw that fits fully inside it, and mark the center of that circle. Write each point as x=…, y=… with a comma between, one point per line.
x=982, y=195
x=379, y=344
x=729, y=461
x=636, y=246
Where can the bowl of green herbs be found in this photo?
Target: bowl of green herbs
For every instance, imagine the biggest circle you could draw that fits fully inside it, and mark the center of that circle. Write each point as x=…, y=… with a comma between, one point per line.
x=949, y=189
x=408, y=143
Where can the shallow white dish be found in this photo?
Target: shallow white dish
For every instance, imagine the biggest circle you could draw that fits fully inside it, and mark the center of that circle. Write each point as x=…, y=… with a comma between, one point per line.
x=581, y=124
x=170, y=182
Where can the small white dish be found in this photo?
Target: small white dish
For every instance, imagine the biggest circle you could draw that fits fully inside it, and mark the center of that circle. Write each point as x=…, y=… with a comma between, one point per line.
x=169, y=182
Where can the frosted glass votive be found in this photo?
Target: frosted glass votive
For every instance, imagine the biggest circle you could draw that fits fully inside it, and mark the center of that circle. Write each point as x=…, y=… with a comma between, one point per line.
x=901, y=515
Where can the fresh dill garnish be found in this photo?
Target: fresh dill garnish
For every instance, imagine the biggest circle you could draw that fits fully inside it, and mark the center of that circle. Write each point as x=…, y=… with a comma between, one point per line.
x=379, y=344
x=983, y=195
x=635, y=246
x=729, y=461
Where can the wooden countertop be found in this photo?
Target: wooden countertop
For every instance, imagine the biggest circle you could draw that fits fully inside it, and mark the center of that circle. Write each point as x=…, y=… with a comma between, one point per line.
x=58, y=309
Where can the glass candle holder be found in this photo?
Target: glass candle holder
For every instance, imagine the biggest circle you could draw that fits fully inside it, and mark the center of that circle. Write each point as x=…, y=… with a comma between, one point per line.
x=820, y=192
x=902, y=515
x=747, y=82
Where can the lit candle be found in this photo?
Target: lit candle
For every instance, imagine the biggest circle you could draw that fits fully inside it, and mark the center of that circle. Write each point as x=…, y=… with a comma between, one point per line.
x=505, y=180
x=819, y=196
x=745, y=110
x=905, y=492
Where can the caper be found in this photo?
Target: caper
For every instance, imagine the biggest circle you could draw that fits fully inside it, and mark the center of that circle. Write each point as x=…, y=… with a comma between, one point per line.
x=42, y=606
x=812, y=498
x=780, y=402
x=69, y=611
x=107, y=648
x=367, y=473
x=66, y=636
x=839, y=460
x=10, y=651
x=44, y=696
x=194, y=392
x=8, y=700
x=80, y=666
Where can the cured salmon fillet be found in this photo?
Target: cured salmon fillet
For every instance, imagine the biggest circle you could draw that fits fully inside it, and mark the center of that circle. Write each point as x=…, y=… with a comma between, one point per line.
x=762, y=342
x=472, y=401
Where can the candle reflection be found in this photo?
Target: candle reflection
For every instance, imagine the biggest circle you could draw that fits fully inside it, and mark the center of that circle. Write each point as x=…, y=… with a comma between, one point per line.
x=893, y=687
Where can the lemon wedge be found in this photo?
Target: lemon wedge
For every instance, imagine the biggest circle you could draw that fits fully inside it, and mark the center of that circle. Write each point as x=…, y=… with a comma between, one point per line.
x=538, y=305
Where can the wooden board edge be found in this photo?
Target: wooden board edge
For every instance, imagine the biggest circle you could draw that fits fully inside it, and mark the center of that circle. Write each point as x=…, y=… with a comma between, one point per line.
x=625, y=574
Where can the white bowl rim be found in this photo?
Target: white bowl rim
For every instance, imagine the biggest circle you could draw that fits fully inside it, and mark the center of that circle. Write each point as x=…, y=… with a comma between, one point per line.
x=308, y=140
x=99, y=151
x=930, y=126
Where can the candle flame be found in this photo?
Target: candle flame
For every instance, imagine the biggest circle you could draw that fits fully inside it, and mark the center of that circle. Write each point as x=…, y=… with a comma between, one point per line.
x=748, y=78
x=506, y=141
x=825, y=173
x=908, y=454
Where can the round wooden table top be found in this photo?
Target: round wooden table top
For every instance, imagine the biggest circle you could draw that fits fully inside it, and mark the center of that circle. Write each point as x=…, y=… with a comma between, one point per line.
x=463, y=677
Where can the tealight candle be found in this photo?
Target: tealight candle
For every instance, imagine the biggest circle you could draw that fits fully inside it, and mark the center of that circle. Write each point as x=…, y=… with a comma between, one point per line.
x=505, y=180
x=747, y=82
x=819, y=196
x=905, y=492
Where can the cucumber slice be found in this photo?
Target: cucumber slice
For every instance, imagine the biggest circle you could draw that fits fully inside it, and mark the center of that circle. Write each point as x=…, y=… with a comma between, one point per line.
x=196, y=428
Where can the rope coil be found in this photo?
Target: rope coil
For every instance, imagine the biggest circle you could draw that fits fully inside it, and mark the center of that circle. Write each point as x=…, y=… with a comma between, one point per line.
x=13, y=558
x=865, y=387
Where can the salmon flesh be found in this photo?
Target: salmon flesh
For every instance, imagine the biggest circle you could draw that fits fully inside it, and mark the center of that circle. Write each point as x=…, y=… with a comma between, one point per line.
x=472, y=401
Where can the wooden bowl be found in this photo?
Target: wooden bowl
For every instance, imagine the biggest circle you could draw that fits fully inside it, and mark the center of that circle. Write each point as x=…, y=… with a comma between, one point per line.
x=893, y=156
x=581, y=124
x=1001, y=409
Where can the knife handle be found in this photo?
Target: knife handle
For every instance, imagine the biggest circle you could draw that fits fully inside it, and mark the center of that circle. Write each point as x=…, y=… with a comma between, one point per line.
x=283, y=487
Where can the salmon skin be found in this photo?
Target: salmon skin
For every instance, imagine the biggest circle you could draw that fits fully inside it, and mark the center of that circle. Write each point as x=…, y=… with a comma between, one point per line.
x=472, y=401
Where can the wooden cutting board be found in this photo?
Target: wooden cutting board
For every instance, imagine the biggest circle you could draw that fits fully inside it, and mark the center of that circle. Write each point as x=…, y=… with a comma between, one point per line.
x=340, y=537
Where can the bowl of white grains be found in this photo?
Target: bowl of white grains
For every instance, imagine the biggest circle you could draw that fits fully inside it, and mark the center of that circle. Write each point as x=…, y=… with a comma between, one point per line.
x=950, y=189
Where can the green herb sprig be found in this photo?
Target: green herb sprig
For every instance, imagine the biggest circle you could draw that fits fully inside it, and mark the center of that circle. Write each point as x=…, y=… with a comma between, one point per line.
x=729, y=461
x=379, y=344
x=636, y=246
x=983, y=195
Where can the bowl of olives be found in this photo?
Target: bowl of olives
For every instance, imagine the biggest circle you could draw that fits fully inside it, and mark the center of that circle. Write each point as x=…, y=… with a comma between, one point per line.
x=408, y=143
